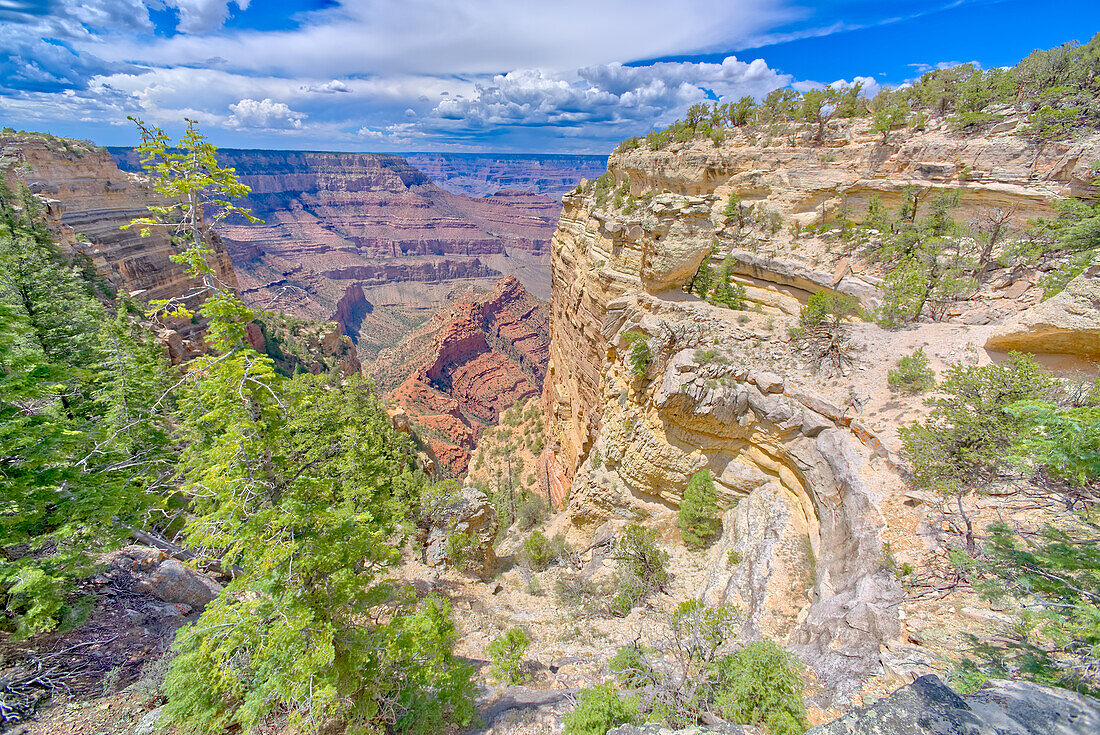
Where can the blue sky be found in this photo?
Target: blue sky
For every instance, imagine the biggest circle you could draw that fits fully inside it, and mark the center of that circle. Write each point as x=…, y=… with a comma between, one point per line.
x=472, y=75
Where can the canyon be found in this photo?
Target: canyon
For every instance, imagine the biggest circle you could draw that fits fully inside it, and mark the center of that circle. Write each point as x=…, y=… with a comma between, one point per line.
x=445, y=297
x=481, y=175
x=371, y=242
x=88, y=202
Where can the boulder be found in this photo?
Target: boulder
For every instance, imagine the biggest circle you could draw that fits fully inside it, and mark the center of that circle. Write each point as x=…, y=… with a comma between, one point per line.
x=471, y=513
x=1067, y=323
x=929, y=707
x=175, y=582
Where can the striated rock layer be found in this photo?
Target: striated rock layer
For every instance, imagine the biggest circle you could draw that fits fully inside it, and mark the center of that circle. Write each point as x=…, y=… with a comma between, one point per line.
x=88, y=200
x=338, y=222
x=455, y=374
x=482, y=175
x=812, y=496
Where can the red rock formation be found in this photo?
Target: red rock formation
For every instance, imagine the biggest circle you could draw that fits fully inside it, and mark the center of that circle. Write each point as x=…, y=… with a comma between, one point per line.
x=465, y=367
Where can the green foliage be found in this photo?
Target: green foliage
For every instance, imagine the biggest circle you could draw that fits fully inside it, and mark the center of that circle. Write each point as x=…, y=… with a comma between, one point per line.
x=727, y=292
x=84, y=417
x=889, y=117
x=761, y=685
x=963, y=445
x=693, y=675
x=540, y=552
x=462, y=550
x=1050, y=573
x=309, y=629
x=927, y=267
x=600, y=709
x=699, y=516
x=639, y=354
x=1051, y=576
x=913, y=374
x=587, y=596
x=828, y=308
x=704, y=278
x=1062, y=443
x=641, y=568
x=506, y=655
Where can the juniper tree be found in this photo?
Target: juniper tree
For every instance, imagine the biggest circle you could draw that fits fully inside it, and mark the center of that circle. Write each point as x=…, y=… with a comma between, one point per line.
x=309, y=628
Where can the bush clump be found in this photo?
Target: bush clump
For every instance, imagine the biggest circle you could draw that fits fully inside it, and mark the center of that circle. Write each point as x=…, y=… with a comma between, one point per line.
x=506, y=656
x=599, y=709
x=913, y=374
x=700, y=517
x=761, y=685
x=540, y=553
x=640, y=354
x=642, y=568
x=694, y=675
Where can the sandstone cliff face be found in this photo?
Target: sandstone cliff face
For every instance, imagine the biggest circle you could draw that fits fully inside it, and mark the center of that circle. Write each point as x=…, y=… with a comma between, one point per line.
x=88, y=200
x=806, y=465
x=455, y=375
x=336, y=222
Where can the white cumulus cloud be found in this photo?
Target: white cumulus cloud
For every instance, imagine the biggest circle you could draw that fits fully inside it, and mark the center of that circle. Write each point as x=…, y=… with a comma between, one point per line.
x=201, y=16
x=265, y=113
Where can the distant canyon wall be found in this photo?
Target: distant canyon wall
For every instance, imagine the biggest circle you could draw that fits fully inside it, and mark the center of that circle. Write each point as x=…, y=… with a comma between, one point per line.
x=336, y=222
x=481, y=175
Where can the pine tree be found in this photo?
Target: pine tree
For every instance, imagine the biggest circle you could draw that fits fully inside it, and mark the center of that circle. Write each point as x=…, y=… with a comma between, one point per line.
x=76, y=463
x=700, y=516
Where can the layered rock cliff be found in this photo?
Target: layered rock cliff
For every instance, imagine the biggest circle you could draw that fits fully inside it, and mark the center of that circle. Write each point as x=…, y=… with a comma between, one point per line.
x=806, y=463
x=88, y=200
x=337, y=222
x=455, y=374
x=481, y=175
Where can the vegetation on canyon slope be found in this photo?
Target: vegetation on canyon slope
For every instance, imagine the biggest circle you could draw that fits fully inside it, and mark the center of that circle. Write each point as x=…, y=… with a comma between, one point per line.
x=101, y=436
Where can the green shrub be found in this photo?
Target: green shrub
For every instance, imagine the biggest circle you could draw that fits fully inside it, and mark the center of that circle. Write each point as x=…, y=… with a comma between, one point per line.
x=540, y=552
x=761, y=685
x=828, y=308
x=641, y=568
x=700, y=517
x=462, y=551
x=574, y=590
x=506, y=655
x=600, y=709
x=913, y=374
x=531, y=509
x=640, y=354
x=727, y=292
x=703, y=280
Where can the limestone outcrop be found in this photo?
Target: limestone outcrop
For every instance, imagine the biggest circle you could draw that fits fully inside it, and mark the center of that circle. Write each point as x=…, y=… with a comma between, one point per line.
x=471, y=514
x=929, y=707
x=1067, y=323
x=814, y=498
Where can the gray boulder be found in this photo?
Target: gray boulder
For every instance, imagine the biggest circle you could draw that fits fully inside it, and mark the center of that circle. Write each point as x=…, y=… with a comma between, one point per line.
x=471, y=513
x=929, y=707
x=175, y=582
